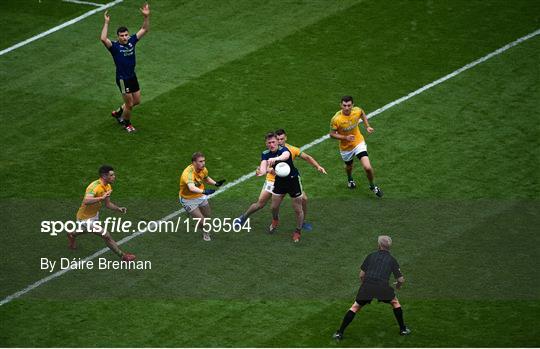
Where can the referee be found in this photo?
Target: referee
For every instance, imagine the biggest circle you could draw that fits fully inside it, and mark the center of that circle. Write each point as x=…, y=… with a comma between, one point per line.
x=375, y=274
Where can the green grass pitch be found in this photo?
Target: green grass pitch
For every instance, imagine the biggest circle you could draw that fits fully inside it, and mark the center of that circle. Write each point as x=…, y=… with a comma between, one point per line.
x=459, y=165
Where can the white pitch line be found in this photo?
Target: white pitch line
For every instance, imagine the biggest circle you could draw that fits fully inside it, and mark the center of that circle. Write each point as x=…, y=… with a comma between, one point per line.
x=83, y=2
x=304, y=147
x=434, y=83
x=58, y=27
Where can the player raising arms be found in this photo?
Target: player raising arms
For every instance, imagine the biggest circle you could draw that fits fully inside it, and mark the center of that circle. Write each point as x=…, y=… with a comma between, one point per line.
x=268, y=187
x=345, y=127
x=97, y=192
x=123, y=53
x=193, y=195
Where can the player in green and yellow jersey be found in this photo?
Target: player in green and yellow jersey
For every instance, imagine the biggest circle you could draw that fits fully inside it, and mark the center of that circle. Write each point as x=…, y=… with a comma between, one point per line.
x=97, y=192
x=345, y=127
x=193, y=195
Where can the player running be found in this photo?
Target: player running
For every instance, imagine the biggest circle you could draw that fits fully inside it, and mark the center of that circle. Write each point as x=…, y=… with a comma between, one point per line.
x=193, y=195
x=266, y=191
x=123, y=53
x=345, y=127
x=97, y=192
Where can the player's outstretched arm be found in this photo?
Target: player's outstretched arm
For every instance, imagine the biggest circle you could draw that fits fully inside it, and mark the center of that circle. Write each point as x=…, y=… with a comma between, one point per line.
x=210, y=181
x=214, y=182
x=145, y=10
x=312, y=162
x=193, y=188
x=104, y=32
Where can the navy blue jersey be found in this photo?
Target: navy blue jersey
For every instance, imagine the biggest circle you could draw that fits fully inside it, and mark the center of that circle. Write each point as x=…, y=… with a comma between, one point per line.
x=124, y=58
x=267, y=154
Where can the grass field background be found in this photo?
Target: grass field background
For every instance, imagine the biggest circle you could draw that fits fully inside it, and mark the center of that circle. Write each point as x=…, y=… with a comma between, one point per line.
x=458, y=164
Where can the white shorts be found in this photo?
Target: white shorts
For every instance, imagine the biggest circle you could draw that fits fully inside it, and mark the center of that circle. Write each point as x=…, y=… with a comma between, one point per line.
x=91, y=226
x=192, y=204
x=347, y=155
x=269, y=187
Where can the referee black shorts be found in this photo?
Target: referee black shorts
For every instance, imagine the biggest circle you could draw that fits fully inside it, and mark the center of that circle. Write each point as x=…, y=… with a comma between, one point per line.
x=130, y=85
x=288, y=185
x=368, y=291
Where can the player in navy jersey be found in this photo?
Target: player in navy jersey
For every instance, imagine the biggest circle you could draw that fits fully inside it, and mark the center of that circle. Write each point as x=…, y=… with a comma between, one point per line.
x=283, y=185
x=123, y=53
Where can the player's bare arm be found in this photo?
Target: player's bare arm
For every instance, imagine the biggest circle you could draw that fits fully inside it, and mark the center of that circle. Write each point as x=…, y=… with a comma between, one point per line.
x=145, y=10
x=283, y=157
x=263, y=168
x=362, y=275
x=258, y=172
x=90, y=199
x=366, y=123
x=192, y=187
x=336, y=135
x=214, y=182
x=312, y=162
x=104, y=32
x=210, y=181
x=114, y=207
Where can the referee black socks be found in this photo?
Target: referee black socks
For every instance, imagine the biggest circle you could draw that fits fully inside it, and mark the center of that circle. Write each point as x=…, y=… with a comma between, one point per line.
x=398, y=313
x=346, y=321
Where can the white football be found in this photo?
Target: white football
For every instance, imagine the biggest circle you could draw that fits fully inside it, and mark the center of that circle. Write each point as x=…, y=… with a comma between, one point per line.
x=282, y=169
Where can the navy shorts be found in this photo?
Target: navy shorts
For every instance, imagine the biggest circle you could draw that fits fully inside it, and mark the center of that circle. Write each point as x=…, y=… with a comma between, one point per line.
x=130, y=85
x=288, y=185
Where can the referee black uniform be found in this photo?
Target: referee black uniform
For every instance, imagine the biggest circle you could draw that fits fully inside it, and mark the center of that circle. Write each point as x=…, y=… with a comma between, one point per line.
x=375, y=273
x=378, y=266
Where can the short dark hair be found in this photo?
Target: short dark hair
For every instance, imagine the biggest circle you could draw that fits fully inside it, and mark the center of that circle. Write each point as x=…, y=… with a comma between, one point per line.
x=269, y=135
x=121, y=30
x=104, y=170
x=347, y=99
x=196, y=155
x=280, y=132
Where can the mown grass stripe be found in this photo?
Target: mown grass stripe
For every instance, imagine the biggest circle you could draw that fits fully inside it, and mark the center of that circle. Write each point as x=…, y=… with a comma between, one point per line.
x=304, y=147
x=59, y=27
